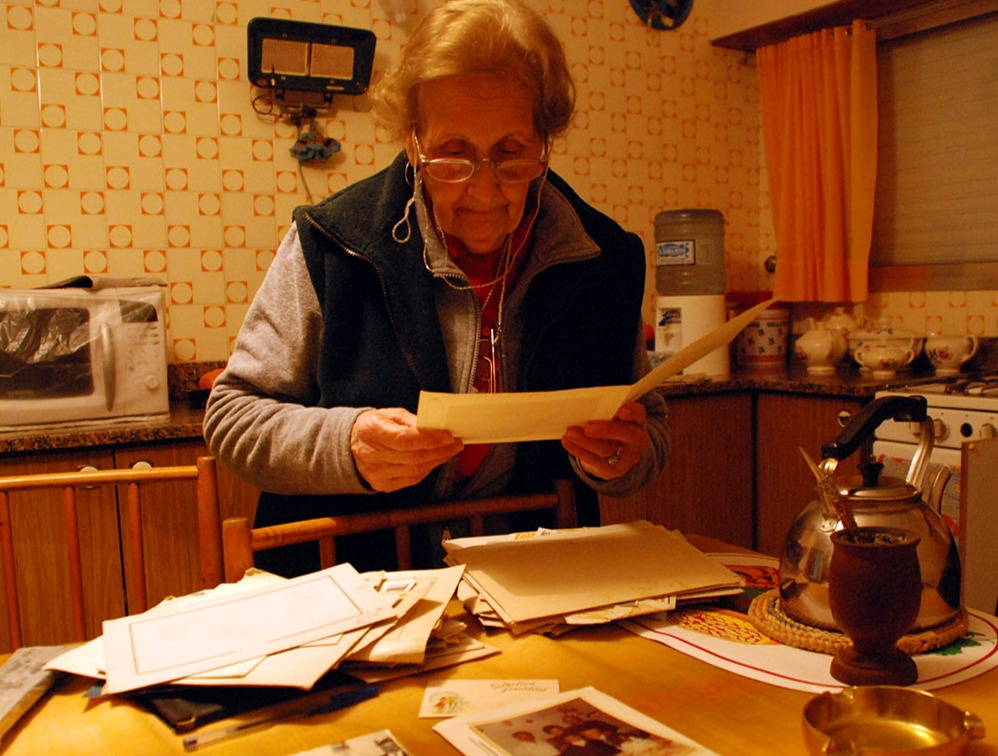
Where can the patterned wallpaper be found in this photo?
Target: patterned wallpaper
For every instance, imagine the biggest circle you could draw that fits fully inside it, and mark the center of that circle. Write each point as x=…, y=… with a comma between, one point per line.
x=129, y=144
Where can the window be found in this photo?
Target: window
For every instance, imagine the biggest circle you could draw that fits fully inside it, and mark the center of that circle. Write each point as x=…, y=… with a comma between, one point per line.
x=936, y=217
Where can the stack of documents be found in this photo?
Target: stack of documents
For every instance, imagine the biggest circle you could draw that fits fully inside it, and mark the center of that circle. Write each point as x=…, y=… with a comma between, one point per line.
x=269, y=631
x=550, y=580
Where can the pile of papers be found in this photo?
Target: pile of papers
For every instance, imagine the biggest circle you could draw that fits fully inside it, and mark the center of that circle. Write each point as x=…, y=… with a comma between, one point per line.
x=269, y=631
x=551, y=580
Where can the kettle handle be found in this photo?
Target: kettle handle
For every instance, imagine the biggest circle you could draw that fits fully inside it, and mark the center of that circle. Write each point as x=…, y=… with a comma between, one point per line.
x=904, y=409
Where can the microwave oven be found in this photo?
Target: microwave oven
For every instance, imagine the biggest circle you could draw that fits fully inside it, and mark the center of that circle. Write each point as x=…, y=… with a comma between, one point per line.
x=74, y=356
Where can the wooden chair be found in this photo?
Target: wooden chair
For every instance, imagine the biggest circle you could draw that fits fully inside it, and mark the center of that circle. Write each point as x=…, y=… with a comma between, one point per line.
x=203, y=473
x=240, y=542
x=979, y=524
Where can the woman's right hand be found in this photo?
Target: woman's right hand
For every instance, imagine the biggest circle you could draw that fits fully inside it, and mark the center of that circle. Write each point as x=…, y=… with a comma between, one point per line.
x=390, y=452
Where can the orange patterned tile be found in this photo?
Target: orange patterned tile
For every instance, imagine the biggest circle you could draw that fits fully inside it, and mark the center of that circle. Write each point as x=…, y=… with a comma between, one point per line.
x=139, y=115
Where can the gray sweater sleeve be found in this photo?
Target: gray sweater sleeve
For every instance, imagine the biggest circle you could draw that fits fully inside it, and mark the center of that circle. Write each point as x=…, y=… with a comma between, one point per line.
x=259, y=421
x=653, y=460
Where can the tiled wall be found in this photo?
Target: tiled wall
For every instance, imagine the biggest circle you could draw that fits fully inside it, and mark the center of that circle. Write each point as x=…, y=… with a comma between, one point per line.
x=925, y=312
x=129, y=144
x=949, y=312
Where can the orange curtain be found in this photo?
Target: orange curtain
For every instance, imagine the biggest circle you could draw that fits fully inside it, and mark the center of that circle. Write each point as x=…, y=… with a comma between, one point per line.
x=818, y=97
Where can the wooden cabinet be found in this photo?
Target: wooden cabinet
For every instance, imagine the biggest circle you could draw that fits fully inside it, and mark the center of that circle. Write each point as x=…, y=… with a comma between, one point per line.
x=736, y=471
x=706, y=487
x=785, y=424
x=169, y=514
x=36, y=522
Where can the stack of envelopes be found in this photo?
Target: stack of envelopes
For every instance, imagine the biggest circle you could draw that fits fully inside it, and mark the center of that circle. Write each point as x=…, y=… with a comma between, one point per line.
x=269, y=631
x=551, y=580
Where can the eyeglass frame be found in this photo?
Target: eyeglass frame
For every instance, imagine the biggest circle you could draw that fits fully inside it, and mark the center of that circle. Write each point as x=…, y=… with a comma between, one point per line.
x=541, y=161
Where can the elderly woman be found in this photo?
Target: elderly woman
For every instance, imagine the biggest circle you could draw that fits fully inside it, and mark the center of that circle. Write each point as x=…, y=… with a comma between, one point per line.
x=466, y=265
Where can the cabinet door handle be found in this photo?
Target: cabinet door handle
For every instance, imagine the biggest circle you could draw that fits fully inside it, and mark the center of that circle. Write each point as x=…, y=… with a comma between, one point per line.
x=88, y=468
x=142, y=464
x=843, y=417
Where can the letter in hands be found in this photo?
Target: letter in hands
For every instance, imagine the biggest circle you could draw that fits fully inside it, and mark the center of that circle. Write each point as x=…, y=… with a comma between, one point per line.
x=609, y=448
x=391, y=453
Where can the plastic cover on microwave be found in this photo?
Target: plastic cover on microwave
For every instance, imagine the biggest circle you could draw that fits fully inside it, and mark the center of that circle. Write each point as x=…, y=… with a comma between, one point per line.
x=55, y=345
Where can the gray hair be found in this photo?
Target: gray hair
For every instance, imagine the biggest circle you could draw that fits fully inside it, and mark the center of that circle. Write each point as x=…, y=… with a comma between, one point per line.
x=501, y=37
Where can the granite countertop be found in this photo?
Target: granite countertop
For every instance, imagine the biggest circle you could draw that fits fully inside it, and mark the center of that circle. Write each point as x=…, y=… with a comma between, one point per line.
x=184, y=423
x=846, y=382
x=186, y=408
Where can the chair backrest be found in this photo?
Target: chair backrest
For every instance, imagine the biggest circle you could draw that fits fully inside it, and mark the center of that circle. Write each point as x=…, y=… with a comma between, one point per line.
x=203, y=473
x=240, y=542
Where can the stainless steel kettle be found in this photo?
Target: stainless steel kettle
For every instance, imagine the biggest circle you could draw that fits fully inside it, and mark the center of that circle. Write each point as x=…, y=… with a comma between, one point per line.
x=873, y=500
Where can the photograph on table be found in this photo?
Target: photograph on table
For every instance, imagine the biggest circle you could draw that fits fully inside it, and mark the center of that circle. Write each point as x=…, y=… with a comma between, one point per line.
x=575, y=723
x=574, y=727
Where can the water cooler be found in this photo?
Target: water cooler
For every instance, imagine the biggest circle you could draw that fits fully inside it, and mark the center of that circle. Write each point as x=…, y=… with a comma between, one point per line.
x=689, y=278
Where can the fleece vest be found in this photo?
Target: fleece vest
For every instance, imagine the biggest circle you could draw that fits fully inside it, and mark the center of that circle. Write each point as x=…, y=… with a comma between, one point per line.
x=382, y=342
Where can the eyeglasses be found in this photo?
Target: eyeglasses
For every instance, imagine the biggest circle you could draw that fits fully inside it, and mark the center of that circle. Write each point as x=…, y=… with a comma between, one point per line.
x=459, y=170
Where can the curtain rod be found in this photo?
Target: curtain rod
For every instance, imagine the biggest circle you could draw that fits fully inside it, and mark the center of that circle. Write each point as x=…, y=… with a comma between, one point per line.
x=932, y=15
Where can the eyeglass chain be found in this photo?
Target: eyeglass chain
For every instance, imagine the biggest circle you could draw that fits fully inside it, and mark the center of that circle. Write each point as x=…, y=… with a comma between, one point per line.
x=503, y=270
x=506, y=263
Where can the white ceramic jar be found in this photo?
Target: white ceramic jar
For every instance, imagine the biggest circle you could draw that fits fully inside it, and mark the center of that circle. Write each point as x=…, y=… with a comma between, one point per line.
x=820, y=348
x=948, y=353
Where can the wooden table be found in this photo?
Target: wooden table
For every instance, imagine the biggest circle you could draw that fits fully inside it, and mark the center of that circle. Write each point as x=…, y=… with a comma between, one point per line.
x=723, y=711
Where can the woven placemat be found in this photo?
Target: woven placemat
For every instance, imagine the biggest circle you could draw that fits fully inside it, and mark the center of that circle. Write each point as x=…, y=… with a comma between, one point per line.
x=768, y=617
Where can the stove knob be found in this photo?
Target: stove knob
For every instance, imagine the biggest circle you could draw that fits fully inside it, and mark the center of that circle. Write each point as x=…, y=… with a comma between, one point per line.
x=939, y=429
x=988, y=431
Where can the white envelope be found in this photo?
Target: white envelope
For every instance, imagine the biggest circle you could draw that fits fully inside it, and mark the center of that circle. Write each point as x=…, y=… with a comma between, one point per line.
x=152, y=648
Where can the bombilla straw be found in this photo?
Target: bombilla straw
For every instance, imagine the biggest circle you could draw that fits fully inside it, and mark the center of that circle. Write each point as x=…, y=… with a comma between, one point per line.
x=833, y=500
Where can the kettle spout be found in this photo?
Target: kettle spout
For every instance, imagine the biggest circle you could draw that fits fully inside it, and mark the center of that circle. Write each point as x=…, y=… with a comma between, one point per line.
x=935, y=490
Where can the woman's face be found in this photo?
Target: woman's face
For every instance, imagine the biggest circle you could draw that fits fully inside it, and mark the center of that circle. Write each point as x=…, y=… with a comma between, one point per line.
x=477, y=116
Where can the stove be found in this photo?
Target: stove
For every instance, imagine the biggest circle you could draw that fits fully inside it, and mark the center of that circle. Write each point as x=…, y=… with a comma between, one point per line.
x=964, y=409
x=964, y=412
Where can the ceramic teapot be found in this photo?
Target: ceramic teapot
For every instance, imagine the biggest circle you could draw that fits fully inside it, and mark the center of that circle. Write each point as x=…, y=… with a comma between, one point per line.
x=874, y=501
x=820, y=348
x=843, y=322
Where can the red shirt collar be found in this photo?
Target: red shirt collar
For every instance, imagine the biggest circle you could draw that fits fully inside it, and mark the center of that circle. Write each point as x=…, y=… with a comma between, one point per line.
x=484, y=268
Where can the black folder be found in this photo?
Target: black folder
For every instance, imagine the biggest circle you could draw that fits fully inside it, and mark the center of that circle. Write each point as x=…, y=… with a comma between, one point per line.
x=187, y=707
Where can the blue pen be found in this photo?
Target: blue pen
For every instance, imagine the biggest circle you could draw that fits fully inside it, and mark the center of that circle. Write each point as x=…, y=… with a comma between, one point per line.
x=338, y=701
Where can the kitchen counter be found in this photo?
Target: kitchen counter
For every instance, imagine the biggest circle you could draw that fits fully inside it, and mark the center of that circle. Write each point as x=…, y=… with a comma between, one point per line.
x=845, y=382
x=184, y=423
x=186, y=411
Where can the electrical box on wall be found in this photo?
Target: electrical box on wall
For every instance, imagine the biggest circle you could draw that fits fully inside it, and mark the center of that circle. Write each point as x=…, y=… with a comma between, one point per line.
x=308, y=63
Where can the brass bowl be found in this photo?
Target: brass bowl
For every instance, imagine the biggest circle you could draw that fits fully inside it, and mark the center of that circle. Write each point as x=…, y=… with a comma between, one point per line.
x=885, y=720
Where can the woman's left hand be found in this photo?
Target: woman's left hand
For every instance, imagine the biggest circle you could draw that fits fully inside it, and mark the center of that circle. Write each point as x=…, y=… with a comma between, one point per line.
x=609, y=448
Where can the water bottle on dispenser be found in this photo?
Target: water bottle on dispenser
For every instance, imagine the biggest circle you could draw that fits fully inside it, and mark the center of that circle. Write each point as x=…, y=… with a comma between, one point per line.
x=689, y=279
